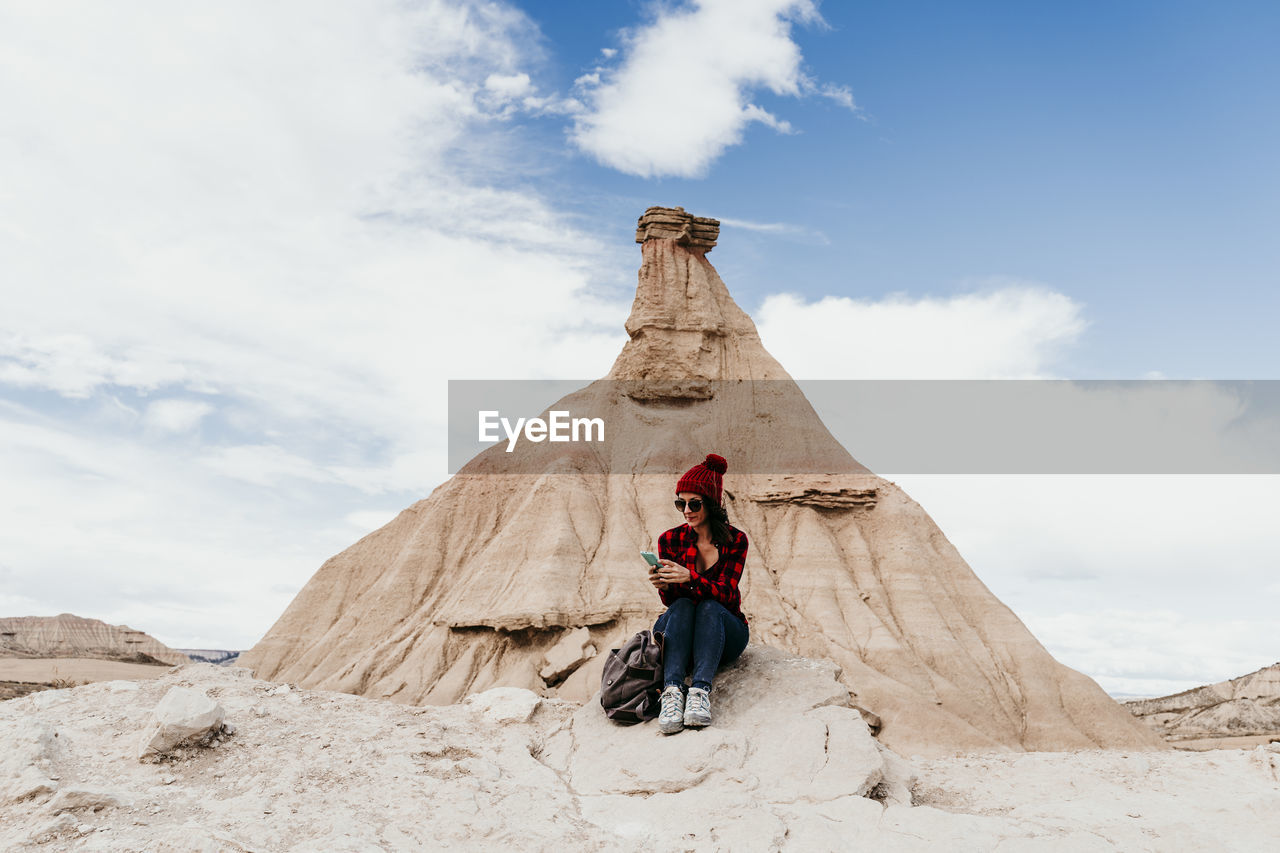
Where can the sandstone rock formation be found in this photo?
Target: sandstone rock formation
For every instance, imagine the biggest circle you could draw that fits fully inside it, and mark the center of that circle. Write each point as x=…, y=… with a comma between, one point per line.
x=693, y=232
x=473, y=586
x=1244, y=707
x=509, y=770
x=68, y=636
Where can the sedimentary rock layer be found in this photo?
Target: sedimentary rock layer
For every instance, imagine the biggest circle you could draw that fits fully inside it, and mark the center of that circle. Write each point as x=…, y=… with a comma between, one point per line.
x=1248, y=705
x=68, y=636
x=672, y=223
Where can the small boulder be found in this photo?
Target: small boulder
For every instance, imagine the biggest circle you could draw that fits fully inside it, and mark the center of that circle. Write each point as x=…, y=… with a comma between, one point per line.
x=505, y=704
x=899, y=777
x=872, y=719
x=59, y=826
x=572, y=651
x=76, y=799
x=183, y=716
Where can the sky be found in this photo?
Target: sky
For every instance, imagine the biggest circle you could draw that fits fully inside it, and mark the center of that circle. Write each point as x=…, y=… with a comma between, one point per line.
x=244, y=246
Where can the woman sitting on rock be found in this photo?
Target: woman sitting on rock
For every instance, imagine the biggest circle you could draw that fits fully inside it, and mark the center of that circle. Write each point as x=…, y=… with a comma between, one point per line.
x=700, y=563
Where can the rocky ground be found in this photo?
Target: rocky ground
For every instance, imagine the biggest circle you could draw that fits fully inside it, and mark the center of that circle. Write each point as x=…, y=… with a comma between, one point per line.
x=788, y=766
x=1112, y=800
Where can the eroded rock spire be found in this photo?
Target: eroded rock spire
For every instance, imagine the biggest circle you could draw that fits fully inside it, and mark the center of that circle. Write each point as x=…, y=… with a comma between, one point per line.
x=486, y=581
x=684, y=325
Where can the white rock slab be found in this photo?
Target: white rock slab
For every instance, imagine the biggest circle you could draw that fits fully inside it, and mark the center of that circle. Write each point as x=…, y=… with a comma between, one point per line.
x=780, y=724
x=570, y=652
x=26, y=760
x=505, y=704
x=183, y=715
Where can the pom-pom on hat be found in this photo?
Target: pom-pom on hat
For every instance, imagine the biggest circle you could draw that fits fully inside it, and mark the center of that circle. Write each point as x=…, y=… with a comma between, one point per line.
x=706, y=478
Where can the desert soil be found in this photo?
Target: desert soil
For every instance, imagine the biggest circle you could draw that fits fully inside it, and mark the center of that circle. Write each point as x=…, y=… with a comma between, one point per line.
x=50, y=670
x=1225, y=742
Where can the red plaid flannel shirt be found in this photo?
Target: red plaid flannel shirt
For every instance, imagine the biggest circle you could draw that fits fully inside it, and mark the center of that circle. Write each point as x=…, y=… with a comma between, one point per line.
x=720, y=583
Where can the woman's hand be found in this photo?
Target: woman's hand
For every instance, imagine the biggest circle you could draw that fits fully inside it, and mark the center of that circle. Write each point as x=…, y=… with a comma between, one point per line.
x=669, y=572
x=658, y=582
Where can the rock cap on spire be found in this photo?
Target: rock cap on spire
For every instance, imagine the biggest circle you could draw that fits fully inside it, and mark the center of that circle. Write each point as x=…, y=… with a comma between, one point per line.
x=672, y=223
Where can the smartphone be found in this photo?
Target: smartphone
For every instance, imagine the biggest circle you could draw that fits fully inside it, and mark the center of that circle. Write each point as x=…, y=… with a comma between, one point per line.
x=650, y=558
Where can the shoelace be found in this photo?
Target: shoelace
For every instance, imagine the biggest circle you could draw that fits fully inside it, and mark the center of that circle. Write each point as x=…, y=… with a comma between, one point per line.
x=669, y=700
x=697, y=703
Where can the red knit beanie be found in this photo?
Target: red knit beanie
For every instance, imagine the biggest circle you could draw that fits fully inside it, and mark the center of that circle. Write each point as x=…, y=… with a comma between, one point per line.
x=705, y=479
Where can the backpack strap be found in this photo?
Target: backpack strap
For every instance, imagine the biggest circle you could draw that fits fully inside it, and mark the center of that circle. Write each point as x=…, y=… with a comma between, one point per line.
x=623, y=715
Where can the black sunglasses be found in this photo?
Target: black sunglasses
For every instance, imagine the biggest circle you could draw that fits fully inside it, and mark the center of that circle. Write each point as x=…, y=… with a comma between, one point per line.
x=695, y=504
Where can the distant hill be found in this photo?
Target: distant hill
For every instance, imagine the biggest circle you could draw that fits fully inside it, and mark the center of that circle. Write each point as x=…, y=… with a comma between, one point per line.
x=1247, y=707
x=221, y=657
x=70, y=636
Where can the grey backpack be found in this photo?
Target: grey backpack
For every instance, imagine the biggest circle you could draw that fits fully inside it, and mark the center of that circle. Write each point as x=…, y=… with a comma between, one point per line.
x=631, y=685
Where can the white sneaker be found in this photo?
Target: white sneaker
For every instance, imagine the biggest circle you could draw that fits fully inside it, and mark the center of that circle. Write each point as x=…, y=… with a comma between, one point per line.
x=697, y=711
x=671, y=718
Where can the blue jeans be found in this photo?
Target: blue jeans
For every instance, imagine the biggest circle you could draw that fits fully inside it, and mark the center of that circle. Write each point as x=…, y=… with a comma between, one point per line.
x=701, y=633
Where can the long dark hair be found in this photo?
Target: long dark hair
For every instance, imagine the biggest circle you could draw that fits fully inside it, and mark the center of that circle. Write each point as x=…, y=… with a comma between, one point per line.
x=717, y=521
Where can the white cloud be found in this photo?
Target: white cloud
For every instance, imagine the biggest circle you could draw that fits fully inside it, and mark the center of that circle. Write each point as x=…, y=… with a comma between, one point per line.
x=1011, y=330
x=369, y=520
x=301, y=244
x=789, y=232
x=138, y=532
x=840, y=94
x=1155, y=653
x=754, y=113
x=244, y=250
x=1136, y=581
x=175, y=415
x=265, y=465
x=764, y=227
x=681, y=94
x=508, y=86
x=504, y=94
x=72, y=364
